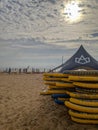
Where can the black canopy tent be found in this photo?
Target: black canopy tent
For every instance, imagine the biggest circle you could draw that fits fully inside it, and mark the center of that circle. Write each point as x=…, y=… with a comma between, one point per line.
x=81, y=59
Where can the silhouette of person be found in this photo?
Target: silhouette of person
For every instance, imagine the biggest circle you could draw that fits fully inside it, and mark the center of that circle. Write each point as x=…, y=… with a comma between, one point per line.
x=9, y=70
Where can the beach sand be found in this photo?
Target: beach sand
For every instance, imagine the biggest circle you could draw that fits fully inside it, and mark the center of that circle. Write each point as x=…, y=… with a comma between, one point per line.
x=23, y=108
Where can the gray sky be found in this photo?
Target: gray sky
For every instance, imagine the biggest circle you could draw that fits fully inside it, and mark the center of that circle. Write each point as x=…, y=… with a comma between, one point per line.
x=39, y=32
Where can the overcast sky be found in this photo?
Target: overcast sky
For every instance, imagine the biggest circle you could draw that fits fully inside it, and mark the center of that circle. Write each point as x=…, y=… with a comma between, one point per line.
x=39, y=32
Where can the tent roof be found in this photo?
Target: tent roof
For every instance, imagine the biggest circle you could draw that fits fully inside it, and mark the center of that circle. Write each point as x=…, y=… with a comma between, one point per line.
x=81, y=59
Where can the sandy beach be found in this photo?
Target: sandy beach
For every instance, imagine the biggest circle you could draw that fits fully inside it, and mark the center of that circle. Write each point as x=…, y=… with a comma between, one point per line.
x=23, y=108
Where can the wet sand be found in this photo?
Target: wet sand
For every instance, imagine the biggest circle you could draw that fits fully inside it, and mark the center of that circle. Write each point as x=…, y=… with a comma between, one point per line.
x=23, y=108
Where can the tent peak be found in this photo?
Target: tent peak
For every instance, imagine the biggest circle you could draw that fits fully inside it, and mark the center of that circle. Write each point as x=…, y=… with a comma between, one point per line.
x=81, y=46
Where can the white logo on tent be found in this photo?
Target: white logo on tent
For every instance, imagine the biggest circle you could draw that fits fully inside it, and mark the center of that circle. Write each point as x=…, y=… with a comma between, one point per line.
x=82, y=60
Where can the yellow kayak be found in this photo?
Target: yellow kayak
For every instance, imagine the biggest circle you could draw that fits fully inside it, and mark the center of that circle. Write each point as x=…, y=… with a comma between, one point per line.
x=86, y=85
x=84, y=78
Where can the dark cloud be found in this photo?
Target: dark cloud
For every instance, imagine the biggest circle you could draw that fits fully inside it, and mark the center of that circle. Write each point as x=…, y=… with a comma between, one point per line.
x=52, y=1
x=81, y=5
x=94, y=34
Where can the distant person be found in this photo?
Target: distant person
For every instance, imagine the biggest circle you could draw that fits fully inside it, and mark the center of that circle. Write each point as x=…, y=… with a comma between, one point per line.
x=26, y=70
x=20, y=71
x=33, y=70
x=9, y=71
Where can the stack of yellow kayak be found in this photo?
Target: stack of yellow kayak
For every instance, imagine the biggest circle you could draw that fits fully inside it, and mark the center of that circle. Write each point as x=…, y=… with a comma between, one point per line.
x=83, y=102
x=57, y=83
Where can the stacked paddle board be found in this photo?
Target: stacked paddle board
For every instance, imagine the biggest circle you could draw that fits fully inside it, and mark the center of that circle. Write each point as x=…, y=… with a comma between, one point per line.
x=57, y=83
x=83, y=102
x=81, y=91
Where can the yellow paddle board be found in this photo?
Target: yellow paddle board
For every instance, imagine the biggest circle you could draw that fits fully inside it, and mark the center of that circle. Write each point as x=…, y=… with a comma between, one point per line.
x=81, y=108
x=50, y=83
x=86, y=90
x=64, y=85
x=86, y=121
x=84, y=102
x=55, y=75
x=48, y=92
x=82, y=95
x=86, y=85
x=65, y=80
x=55, y=87
x=51, y=79
x=84, y=78
x=82, y=115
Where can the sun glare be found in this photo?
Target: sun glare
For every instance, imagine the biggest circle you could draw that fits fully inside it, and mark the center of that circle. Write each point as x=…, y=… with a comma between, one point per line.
x=72, y=12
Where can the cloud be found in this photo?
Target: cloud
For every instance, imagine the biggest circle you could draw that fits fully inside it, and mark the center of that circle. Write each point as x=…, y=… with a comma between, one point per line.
x=24, y=52
x=37, y=53
x=52, y=1
x=95, y=34
x=33, y=19
x=35, y=30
